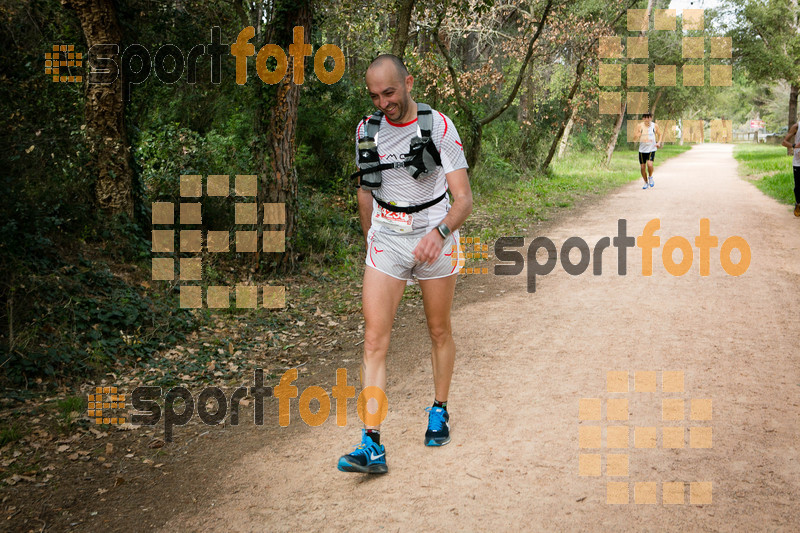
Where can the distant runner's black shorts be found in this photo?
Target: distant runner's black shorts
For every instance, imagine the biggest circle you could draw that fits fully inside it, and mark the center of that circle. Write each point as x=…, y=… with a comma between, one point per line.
x=646, y=156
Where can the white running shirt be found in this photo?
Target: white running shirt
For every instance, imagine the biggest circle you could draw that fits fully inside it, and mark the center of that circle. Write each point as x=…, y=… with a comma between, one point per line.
x=796, y=159
x=397, y=185
x=649, y=135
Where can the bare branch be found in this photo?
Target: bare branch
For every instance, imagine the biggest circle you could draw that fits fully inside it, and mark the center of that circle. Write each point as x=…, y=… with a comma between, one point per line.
x=522, y=69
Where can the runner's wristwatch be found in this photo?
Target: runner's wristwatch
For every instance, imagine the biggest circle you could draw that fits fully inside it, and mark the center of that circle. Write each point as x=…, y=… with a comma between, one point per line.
x=444, y=231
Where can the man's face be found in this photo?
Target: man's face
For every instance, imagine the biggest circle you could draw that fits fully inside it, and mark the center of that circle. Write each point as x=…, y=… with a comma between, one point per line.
x=389, y=91
x=647, y=120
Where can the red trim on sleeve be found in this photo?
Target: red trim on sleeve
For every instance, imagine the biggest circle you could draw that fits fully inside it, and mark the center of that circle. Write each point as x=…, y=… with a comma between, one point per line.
x=445, y=124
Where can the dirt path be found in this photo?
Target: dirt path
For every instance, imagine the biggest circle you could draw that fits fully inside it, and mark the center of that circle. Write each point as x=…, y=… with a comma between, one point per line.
x=524, y=362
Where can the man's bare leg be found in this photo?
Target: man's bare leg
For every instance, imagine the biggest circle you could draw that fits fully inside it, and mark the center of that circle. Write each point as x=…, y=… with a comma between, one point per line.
x=437, y=298
x=381, y=295
x=643, y=169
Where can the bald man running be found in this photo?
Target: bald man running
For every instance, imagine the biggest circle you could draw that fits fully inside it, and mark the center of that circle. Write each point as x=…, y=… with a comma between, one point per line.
x=410, y=230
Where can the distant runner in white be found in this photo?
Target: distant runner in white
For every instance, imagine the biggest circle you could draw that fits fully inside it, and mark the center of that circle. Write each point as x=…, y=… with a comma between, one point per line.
x=647, y=132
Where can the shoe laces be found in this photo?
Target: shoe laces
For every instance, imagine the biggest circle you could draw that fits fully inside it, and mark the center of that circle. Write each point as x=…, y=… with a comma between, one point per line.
x=363, y=446
x=436, y=418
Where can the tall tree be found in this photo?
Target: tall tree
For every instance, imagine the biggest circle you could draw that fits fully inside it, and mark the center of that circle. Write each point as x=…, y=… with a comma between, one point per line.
x=275, y=118
x=405, y=8
x=475, y=132
x=612, y=142
x=585, y=51
x=105, y=112
x=766, y=42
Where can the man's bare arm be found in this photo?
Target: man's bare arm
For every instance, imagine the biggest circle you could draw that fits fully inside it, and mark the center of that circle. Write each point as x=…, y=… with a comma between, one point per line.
x=365, y=210
x=788, y=141
x=458, y=183
x=637, y=133
x=430, y=246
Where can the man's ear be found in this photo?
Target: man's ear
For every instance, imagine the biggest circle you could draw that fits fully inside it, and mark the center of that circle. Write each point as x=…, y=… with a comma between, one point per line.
x=409, y=82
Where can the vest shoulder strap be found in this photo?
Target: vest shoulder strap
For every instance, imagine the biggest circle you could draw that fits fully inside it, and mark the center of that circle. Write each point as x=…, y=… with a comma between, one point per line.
x=425, y=119
x=374, y=124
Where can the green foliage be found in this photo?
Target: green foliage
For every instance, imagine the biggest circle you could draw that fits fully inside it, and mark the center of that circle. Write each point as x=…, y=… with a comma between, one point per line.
x=329, y=231
x=165, y=151
x=511, y=207
x=770, y=167
x=81, y=318
x=68, y=410
x=765, y=38
x=326, y=148
x=11, y=433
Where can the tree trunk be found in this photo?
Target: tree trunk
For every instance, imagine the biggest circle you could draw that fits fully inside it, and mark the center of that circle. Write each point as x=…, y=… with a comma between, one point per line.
x=522, y=109
x=403, y=21
x=282, y=188
x=614, y=136
x=659, y=94
x=473, y=146
x=612, y=143
x=579, y=69
x=792, y=109
x=475, y=134
x=105, y=112
x=276, y=128
x=562, y=146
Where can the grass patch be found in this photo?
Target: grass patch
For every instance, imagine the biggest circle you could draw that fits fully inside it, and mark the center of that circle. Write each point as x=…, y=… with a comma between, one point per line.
x=506, y=203
x=769, y=168
x=69, y=409
x=11, y=433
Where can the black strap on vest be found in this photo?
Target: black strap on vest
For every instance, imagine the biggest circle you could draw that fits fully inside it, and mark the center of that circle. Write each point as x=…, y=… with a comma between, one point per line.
x=425, y=120
x=410, y=208
x=376, y=168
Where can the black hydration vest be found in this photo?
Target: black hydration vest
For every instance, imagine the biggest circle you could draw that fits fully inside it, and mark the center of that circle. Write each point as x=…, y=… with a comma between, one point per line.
x=420, y=161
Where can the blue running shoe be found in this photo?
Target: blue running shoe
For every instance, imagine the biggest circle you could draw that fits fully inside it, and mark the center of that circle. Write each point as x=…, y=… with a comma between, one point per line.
x=367, y=458
x=651, y=182
x=438, y=433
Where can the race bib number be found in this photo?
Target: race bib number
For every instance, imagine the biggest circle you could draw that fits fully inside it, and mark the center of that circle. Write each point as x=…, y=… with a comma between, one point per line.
x=399, y=222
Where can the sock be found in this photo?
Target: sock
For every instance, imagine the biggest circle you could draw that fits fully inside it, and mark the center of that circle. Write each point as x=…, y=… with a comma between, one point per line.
x=437, y=403
x=375, y=435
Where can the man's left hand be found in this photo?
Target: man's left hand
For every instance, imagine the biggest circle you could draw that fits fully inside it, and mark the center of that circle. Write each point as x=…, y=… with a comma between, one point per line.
x=429, y=248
